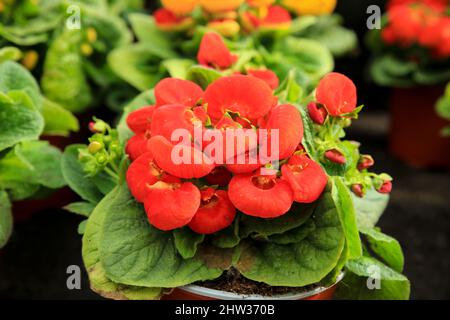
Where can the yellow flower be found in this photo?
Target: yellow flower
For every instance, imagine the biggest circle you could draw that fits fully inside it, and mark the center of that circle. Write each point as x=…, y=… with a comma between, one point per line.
x=214, y=6
x=30, y=59
x=227, y=28
x=180, y=7
x=91, y=35
x=260, y=3
x=311, y=7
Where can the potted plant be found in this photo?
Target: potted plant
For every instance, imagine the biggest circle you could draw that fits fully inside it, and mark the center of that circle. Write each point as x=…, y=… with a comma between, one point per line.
x=411, y=54
x=167, y=209
x=29, y=167
x=262, y=33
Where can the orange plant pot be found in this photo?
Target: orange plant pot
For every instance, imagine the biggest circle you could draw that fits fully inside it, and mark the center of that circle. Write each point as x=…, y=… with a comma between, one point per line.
x=415, y=128
x=193, y=292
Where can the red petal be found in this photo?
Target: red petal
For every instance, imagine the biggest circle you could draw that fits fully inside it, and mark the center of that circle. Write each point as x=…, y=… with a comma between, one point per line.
x=172, y=206
x=252, y=98
x=198, y=166
x=220, y=176
x=270, y=199
x=267, y=76
x=214, y=53
x=166, y=17
x=335, y=156
x=136, y=146
x=317, y=114
x=169, y=118
x=215, y=214
x=337, y=93
x=306, y=178
x=246, y=167
x=177, y=91
x=276, y=15
x=140, y=120
x=287, y=119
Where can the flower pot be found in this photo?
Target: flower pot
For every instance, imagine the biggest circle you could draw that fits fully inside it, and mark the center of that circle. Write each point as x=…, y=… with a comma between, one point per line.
x=194, y=292
x=415, y=128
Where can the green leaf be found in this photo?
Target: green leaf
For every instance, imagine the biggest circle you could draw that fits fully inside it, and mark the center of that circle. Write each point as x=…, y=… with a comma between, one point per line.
x=82, y=227
x=58, y=121
x=63, y=80
x=82, y=208
x=302, y=263
x=76, y=178
x=9, y=53
x=295, y=235
x=19, y=119
x=366, y=270
x=187, y=241
x=91, y=256
x=178, y=68
x=263, y=228
x=344, y=204
x=370, y=208
x=139, y=65
x=34, y=162
x=202, y=76
x=6, y=219
x=135, y=253
x=147, y=32
x=227, y=238
x=14, y=77
x=385, y=247
x=339, y=40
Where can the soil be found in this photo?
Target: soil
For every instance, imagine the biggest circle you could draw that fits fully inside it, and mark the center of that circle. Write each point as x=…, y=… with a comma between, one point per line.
x=233, y=281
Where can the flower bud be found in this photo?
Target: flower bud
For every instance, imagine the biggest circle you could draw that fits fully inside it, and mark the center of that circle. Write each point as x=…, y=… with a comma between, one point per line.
x=357, y=189
x=98, y=126
x=101, y=159
x=317, y=114
x=30, y=59
x=386, y=188
x=91, y=35
x=227, y=28
x=365, y=162
x=335, y=156
x=86, y=49
x=95, y=147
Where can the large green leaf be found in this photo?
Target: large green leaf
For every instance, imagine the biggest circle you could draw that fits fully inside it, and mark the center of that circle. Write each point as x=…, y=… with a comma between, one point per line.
x=139, y=65
x=64, y=80
x=386, y=248
x=33, y=162
x=6, y=220
x=366, y=270
x=98, y=280
x=76, y=178
x=187, y=241
x=370, y=208
x=302, y=263
x=339, y=40
x=20, y=120
x=58, y=121
x=344, y=204
x=135, y=253
x=14, y=77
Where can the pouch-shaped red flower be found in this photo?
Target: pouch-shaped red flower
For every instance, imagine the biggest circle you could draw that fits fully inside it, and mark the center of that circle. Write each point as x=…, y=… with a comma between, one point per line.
x=337, y=94
x=268, y=76
x=214, y=53
x=306, y=178
x=216, y=212
x=139, y=121
x=171, y=206
x=177, y=91
x=136, y=146
x=260, y=196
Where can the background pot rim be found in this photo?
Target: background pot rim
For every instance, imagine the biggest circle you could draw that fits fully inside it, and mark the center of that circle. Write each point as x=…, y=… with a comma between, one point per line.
x=224, y=295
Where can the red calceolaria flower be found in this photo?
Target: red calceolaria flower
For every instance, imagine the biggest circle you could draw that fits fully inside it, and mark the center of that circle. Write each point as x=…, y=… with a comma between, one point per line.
x=268, y=76
x=249, y=97
x=337, y=94
x=316, y=113
x=275, y=18
x=306, y=178
x=287, y=119
x=177, y=91
x=260, y=196
x=335, y=156
x=214, y=53
x=136, y=146
x=171, y=206
x=216, y=212
x=168, y=21
x=365, y=162
x=140, y=120
x=220, y=176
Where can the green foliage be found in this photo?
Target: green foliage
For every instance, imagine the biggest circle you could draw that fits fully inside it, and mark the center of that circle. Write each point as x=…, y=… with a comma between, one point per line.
x=6, y=219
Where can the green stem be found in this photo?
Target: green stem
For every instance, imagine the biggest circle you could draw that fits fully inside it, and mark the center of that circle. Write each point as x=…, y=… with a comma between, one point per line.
x=112, y=173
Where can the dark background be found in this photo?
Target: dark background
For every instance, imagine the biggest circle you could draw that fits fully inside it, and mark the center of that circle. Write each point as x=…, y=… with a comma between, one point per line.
x=33, y=265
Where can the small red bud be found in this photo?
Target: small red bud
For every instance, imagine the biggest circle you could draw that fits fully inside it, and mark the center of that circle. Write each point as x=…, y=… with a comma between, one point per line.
x=365, y=162
x=316, y=113
x=358, y=190
x=91, y=127
x=386, y=188
x=335, y=156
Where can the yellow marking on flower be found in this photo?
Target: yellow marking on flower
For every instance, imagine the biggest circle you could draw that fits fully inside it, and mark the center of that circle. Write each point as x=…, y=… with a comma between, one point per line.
x=311, y=7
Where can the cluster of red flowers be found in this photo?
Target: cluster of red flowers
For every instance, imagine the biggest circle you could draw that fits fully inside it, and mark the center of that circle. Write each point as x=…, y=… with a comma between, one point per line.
x=425, y=23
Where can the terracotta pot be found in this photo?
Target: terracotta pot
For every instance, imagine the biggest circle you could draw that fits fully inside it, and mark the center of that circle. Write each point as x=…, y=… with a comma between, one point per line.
x=193, y=292
x=415, y=128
